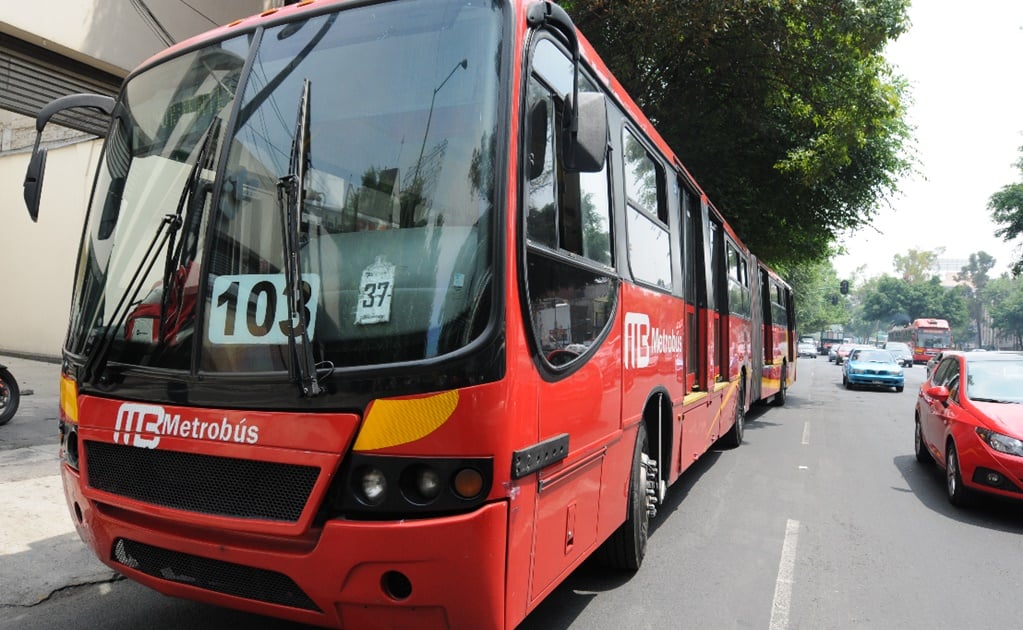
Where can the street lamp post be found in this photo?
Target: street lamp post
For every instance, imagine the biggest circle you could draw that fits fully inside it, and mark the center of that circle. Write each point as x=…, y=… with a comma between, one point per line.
x=464, y=63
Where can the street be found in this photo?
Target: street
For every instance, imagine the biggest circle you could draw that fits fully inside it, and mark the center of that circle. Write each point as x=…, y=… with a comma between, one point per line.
x=823, y=518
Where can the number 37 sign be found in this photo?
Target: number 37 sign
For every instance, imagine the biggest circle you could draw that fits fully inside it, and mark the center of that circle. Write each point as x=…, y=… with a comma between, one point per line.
x=253, y=308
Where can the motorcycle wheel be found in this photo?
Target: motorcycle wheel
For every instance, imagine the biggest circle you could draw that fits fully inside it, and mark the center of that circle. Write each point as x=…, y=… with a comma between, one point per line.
x=10, y=396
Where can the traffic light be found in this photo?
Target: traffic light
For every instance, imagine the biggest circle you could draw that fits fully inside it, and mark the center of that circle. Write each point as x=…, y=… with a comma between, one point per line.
x=844, y=287
x=834, y=299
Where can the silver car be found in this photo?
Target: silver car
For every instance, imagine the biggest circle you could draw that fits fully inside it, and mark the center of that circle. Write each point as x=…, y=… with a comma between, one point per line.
x=902, y=352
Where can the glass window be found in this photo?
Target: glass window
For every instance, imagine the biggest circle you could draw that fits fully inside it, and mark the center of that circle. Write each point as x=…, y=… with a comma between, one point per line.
x=649, y=250
x=643, y=178
x=738, y=283
x=568, y=222
x=647, y=230
x=396, y=162
x=566, y=210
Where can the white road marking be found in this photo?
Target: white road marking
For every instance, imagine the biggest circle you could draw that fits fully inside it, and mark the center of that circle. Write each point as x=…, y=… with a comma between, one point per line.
x=806, y=433
x=783, y=585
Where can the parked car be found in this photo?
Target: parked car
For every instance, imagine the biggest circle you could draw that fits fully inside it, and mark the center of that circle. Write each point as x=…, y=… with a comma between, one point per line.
x=901, y=351
x=969, y=419
x=872, y=367
x=807, y=349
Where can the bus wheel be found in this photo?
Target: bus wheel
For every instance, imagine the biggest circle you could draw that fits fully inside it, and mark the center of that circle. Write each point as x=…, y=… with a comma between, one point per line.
x=626, y=547
x=783, y=389
x=733, y=438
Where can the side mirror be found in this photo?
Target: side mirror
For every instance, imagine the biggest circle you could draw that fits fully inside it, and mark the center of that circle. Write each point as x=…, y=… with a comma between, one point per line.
x=937, y=392
x=34, y=182
x=37, y=164
x=586, y=148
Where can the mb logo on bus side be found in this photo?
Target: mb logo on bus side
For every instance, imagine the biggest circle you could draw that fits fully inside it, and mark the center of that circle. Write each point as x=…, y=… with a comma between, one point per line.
x=642, y=341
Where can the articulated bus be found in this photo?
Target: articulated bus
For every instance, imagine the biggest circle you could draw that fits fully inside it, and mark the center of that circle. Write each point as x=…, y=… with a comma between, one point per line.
x=926, y=337
x=390, y=314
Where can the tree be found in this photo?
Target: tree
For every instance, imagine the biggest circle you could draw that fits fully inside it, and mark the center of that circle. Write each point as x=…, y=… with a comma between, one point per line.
x=1006, y=208
x=893, y=301
x=917, y=265
x=813, y=285
x=1006, y=298
x=785, y=112
x=974, y=273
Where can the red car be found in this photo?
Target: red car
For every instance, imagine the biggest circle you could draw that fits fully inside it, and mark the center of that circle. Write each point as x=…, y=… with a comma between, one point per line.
x=969, y=419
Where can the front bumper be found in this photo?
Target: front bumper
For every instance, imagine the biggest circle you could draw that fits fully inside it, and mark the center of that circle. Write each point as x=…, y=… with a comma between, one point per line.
x=429, y=573
x=876, y=380
x=985, y=469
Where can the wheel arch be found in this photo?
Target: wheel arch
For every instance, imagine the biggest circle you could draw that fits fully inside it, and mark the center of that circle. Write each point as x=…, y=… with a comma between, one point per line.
x=657, y=418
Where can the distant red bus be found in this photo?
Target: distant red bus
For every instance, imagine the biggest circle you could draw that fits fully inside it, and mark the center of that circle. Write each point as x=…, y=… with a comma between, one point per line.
x=927, y=337
x=392, y=314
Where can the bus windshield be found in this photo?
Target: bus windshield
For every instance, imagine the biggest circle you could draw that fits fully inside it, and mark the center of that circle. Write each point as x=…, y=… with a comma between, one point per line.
x=934, y=338
x=365, y=138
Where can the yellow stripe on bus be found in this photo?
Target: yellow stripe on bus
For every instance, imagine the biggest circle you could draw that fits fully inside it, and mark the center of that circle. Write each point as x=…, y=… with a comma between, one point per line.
x=395, y=422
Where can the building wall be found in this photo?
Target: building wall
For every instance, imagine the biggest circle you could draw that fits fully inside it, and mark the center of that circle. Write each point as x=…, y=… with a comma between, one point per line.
x=117, y=36
x=37, y=260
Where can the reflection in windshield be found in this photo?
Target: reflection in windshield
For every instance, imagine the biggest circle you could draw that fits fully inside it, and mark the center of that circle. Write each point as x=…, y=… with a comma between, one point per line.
x=393, y=222
x=152, y=188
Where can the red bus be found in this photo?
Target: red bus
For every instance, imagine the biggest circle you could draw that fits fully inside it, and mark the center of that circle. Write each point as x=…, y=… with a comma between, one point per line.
x=391, y=314
x=927, y=337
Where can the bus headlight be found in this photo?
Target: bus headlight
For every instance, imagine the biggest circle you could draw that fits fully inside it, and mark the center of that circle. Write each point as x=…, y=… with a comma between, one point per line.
x=1001, y=443
x=421, y=484
x=397, y=487
x=371, y=486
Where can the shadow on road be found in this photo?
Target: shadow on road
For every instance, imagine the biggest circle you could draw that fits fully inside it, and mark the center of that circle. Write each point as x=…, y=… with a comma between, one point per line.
x=927, y=483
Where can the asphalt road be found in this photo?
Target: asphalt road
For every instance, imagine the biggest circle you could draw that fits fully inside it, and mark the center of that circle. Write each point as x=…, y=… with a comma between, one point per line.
x=822, y=519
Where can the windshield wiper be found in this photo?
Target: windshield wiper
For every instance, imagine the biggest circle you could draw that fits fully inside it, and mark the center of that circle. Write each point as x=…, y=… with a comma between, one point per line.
x=290, y=190
x=96, y=358
x=166, y=232
x=181, y=254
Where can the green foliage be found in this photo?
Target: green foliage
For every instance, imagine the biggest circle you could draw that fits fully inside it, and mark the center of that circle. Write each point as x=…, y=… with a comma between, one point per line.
x=1006, y=207
x=975, y=273
x=917, y=265
x=785, y=111
x=814, y=284
x=889, y=300
x=1005, y=295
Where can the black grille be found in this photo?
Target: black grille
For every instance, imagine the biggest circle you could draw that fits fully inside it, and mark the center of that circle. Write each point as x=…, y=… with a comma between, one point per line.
x=213, y=575
x=223, y=486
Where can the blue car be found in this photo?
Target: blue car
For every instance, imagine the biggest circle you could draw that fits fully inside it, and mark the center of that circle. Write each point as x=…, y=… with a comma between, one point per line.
x=870, y=367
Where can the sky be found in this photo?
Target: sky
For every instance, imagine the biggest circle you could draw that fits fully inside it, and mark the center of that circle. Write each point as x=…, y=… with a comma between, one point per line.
x=964, y=66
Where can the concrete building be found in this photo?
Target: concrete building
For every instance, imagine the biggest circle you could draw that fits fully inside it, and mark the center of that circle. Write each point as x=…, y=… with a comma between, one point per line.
x=50, y=48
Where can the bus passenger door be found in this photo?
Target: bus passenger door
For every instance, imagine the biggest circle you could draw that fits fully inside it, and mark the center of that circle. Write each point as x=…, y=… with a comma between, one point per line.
x=572, y=291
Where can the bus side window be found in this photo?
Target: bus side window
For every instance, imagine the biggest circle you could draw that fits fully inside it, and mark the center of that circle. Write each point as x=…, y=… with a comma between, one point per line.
x=647, y=214
x=567, y=222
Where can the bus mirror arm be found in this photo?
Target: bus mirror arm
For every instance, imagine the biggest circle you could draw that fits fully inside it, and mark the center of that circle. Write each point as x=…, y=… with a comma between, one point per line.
x=37, y=163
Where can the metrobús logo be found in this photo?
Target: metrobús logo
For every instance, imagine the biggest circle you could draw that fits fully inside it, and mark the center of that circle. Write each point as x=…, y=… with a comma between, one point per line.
x=143, y=425
x=643, y=340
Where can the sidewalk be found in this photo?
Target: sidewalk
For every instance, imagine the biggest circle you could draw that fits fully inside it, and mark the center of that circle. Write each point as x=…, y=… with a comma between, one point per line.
x=40, y=551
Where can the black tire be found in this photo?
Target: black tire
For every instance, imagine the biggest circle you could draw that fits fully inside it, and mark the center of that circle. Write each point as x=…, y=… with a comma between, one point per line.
x=783, y=388
x=845, y=382
x=10, y=396
x=899, y=389
x=626, y=547
x=958, y=494
x=922, y=454
x=733, y=438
